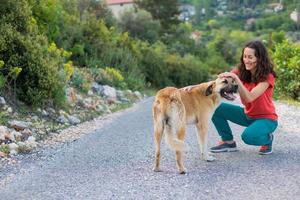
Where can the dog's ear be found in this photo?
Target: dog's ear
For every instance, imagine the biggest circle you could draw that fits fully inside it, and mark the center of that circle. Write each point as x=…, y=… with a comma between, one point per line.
x=209, y=89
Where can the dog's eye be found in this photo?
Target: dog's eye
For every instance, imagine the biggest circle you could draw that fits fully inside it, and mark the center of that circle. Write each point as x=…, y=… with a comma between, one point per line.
x=225, y=81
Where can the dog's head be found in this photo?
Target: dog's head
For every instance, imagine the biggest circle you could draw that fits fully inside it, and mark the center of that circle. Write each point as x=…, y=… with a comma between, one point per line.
x=225, y=86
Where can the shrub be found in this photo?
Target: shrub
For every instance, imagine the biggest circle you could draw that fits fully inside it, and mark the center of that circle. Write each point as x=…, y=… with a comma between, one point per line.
x=287, y=60
x=185, y=71
x=42, y=78
x=111, y=76
x=153, y=65
x=140, y=24
x=82, y=79
x=4, y=148
x=126, y=62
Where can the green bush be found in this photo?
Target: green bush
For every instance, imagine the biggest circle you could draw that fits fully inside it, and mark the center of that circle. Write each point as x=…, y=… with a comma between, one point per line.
x=140, y=24
x=82, y=79
x=42, y=78
x=185, y=71
x=126, y=61
x=111, y=76
x=4, y=148
x=287, y=60
x=153, y=65
x=2, y=78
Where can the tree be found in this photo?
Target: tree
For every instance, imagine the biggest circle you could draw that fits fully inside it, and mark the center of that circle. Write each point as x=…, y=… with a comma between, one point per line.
x=140, y=24
x=165, y=11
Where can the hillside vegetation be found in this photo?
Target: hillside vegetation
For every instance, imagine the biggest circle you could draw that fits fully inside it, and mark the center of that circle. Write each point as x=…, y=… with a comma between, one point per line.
x=46, y=46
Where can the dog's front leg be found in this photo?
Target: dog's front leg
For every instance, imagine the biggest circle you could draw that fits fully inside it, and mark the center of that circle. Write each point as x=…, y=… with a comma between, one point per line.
x=202, y=130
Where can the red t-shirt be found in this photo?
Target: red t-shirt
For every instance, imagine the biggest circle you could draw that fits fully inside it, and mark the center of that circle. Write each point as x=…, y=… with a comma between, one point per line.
x=263, y=106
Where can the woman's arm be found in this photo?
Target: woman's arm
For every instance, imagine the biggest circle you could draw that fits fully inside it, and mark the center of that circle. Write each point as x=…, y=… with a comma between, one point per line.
x=248, y=96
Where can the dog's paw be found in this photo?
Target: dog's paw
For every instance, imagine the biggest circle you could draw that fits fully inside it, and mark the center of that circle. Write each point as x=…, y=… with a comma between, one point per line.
x=156, y=169
x=183, y=171
x=210, y=158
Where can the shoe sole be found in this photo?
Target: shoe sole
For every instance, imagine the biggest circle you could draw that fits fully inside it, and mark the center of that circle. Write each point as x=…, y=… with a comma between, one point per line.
x=224, y=150
x=267, y=153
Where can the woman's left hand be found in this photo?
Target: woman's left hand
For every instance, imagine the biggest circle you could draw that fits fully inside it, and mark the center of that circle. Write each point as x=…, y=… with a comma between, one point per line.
x=228, y=74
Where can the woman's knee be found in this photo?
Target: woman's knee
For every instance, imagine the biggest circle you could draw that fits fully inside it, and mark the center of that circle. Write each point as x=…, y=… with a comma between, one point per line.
x=251, y=138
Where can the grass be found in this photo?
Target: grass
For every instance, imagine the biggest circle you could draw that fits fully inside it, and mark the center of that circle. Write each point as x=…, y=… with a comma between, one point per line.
x=24, y=149
x=286, y=99
x=117, y=107
x=4, y=148
x=290, y=102
x=3, y=118
x=150, y=91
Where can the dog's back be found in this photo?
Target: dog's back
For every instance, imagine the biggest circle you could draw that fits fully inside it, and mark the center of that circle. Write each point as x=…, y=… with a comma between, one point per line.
x=168, y=116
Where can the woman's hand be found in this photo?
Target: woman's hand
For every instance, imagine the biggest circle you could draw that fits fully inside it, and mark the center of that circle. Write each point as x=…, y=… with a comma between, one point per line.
x=228, y=74
x=248, y=96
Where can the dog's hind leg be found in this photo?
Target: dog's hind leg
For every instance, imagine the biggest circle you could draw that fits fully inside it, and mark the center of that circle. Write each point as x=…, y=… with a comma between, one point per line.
x=179, y=162
x=202, y=133
x=158, y=130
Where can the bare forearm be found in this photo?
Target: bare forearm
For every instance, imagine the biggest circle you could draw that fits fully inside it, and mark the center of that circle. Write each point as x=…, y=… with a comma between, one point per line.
x=245, y=94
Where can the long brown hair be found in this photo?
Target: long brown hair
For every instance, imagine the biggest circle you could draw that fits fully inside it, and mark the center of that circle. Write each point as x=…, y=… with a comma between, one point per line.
x=264, y=64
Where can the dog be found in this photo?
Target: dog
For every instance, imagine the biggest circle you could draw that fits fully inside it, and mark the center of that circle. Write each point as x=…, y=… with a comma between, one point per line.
x=173, y=108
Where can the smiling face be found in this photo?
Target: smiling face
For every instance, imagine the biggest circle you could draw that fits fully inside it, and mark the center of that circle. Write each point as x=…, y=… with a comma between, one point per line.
x=249, y=59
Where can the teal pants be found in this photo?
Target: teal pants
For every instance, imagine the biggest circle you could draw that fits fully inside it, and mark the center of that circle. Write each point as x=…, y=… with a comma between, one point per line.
x=257, y=132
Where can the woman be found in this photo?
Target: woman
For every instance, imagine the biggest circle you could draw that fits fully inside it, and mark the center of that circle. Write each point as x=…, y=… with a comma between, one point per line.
x=256, y=79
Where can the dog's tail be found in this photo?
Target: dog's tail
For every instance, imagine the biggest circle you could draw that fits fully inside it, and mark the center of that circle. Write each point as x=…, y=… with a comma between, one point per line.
x=174, y=120
x=173, y=143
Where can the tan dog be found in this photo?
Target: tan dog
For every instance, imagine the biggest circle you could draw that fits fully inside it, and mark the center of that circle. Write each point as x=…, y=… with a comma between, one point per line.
x=174, y=108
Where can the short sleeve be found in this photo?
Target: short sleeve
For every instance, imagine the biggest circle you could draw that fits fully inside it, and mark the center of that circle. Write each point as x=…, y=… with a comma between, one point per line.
x=271, y=80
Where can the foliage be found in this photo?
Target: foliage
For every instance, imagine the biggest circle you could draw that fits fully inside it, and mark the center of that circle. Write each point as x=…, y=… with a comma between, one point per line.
x=180, y=40
x=2, y=78
x=4, y=148
x=164, y=11
x=22, y=46
x=224, y=49
x=185, y=71
x=48, y=14
x=213, y=24
x=111, y=76
x=275, y=22
x=82, y=79
x=287, y=59
x=140, y=24
x=153, y=65
x=4, y=118
x=51, y=14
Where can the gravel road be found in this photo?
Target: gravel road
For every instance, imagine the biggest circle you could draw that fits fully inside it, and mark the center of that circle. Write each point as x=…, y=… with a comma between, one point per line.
x=114, y=160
